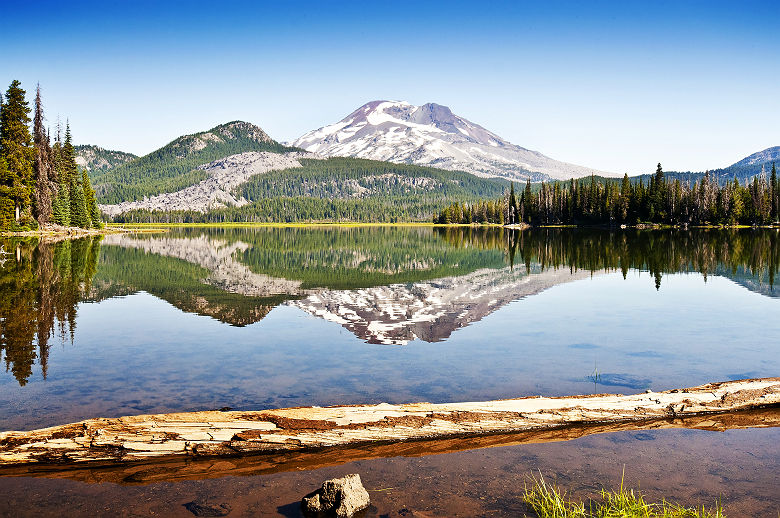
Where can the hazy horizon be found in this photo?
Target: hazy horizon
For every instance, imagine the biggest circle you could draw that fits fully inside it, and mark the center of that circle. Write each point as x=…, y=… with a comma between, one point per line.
x=609, y=86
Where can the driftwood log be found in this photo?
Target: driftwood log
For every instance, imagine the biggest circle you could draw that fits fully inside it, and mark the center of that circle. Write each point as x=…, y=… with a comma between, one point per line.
x=288, y=438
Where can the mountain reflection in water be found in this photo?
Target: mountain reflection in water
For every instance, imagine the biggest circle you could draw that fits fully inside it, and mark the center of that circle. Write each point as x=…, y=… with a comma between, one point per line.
x=385, y=285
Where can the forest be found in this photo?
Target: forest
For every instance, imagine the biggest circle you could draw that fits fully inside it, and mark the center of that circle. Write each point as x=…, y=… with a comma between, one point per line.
x=340, y=189
x=40, y=183
x=608, y=202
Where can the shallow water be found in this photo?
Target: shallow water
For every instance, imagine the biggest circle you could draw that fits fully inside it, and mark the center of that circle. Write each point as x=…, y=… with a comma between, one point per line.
x=259, y=318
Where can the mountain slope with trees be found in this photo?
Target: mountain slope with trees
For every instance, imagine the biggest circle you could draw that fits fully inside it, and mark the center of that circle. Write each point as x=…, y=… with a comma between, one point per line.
x=175, y=165
x=97, y=159
x=340, y=189
x=744, y=170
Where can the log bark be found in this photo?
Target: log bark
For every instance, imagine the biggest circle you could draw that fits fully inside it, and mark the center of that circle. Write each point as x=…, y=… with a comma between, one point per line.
x=314, y=436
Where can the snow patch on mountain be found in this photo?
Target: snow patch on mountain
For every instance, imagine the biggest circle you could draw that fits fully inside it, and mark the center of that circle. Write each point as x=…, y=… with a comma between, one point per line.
x=431, y=135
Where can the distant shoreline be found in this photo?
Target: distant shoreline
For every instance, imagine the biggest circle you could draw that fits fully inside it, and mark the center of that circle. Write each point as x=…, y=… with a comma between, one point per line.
x=121, y=228
x=131, y=227
x=56, y=231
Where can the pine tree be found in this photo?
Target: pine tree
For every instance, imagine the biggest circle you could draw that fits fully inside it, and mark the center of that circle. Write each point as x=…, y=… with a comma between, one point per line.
x=16, y=148
x=42, y=198
x=527, y=200
x=79, y=216
x=61, y=203
x=512, y=205
x=89, y=200
x=60, y=208
x=773, y=189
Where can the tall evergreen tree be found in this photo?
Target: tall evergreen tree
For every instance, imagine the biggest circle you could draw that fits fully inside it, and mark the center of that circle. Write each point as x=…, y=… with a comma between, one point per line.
x=43, y=165
x=79, y=216
x=90, y=201
x=527, y=202
x=16, y=148
x=61, y=203
x=78, y=209
x=512, y=205
x=774, y=194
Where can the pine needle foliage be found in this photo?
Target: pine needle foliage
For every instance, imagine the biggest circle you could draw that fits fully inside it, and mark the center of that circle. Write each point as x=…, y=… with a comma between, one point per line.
x=17, y=150
x=42, y=196
x=89, y=201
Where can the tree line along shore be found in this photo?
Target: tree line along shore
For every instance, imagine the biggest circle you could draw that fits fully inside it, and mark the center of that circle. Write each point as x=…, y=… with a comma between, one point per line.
x=613, y=202
x=40, y=183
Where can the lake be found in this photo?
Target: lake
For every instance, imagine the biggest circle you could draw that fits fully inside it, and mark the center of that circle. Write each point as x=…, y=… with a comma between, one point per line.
x=269, y=317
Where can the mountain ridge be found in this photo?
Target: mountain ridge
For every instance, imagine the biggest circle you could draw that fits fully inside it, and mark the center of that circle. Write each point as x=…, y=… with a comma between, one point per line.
x=96, y=158
x=770, y=154
x=744, y=170
x=174, y=166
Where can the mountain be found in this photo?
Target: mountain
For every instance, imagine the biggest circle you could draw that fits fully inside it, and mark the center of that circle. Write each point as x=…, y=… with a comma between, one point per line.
x=96, y=158
x=767, y=156
x=432, y=135
x=743, y=170
x=175, y=165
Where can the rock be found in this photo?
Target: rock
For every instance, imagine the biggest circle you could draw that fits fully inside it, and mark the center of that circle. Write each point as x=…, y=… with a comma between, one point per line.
x=206, y=509
x=340, y=497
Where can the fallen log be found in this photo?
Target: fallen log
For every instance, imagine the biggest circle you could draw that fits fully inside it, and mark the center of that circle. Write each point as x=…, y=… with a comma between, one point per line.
x=350, y=432
x=193, y=468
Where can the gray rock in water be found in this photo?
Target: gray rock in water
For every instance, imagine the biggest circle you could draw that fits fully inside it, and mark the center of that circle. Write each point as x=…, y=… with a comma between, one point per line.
x=340, y=497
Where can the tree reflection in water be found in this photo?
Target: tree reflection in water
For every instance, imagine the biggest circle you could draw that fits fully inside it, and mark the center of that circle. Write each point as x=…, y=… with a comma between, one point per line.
x=41, y=285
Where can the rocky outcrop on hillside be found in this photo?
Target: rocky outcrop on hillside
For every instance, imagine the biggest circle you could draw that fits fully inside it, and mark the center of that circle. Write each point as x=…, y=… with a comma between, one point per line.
x=188, y=144
x=217, y=190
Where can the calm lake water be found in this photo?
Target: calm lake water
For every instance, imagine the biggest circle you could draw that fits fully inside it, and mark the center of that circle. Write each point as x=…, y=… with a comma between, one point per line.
x=256, y=318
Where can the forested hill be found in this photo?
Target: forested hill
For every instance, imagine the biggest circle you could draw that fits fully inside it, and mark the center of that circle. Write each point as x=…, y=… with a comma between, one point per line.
x=745, y=169
x=342, y=189
x=96, y=158
x=174, y=166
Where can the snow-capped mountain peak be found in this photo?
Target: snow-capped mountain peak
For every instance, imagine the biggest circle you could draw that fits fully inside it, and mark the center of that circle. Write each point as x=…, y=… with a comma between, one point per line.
x=431, y=135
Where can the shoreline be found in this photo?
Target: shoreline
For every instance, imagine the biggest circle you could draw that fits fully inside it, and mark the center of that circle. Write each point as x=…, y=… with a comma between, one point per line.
x=134, y=227
x=56, y=231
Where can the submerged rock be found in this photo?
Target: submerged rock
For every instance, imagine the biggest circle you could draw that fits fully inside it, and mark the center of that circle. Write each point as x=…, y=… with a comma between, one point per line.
x=199, y=508
x=340, y=497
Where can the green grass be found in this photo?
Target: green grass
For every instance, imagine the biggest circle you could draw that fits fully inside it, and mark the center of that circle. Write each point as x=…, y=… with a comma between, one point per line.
x=549, y=501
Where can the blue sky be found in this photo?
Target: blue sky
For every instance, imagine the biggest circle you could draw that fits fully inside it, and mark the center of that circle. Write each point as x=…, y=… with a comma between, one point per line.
x=618, y=86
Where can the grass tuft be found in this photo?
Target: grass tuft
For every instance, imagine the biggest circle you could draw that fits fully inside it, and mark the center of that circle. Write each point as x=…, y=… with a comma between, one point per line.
x=549, y=501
